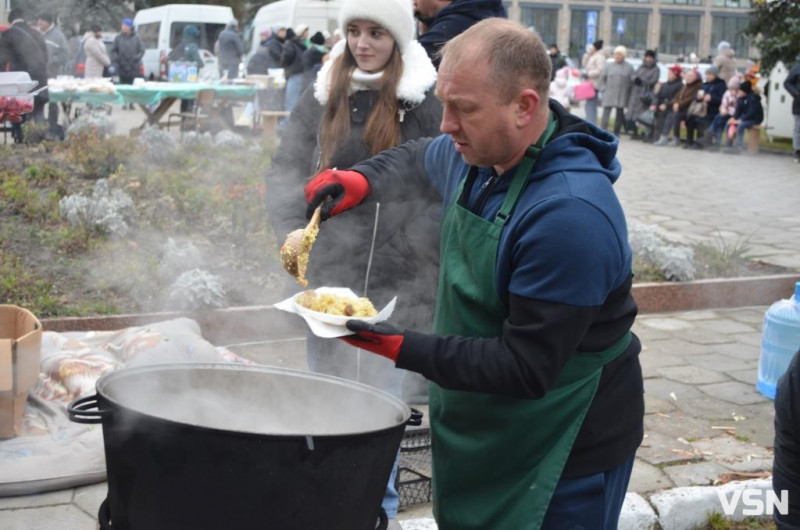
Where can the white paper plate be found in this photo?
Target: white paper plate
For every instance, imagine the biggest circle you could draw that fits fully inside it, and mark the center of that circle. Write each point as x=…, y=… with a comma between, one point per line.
x=330, y=326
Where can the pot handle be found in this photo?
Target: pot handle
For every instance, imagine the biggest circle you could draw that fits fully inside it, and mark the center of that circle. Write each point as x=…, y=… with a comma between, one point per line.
x=383, y=520
x=416, y=418
x=79, y=411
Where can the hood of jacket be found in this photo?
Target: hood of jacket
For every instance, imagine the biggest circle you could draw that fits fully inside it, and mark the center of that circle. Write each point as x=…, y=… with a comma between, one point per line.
x=477, y=9
x=578, y=146
x=419, y=74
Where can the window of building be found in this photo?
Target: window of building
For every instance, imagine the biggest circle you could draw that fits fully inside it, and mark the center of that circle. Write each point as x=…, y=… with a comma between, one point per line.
x=684, y=2
x=742, y=4
x=731, y=29
x=680, y=34
x=584, y=29
x=544, y=21
x=630, y=29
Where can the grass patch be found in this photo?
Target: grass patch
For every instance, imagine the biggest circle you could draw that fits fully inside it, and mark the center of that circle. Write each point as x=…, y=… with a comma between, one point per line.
x=717, y=521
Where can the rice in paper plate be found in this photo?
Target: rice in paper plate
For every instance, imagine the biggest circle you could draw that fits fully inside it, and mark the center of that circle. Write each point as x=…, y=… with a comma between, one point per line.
x=326, y=310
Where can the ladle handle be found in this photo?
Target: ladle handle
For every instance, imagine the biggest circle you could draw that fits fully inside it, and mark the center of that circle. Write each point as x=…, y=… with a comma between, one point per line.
x=316, y=218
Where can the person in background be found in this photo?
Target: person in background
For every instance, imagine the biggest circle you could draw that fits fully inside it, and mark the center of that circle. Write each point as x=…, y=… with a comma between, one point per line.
x=259, y=63
x=58, y=57
x=616, y=81
x=97, y=59
x=230, y=51
x=126, y=54
x=786, y=465
x=559, y=90
x=444, y=19
x=23, y=49
x=557, y=60
x=680, y=105
x=664, y=117
x=274, y=48
x=749, y=113
x=292, y=63
x=644, y=82
x=303, y=33
x=593, y=63
x=792, y=85
x=725, y=61
x=374, y=92
x=536, y=395
x=714, y=90
x=188, y=51
x=312, y=58
x=727, y=108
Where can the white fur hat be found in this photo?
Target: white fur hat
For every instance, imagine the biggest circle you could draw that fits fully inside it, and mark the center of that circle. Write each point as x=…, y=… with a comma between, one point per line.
x=394, y=15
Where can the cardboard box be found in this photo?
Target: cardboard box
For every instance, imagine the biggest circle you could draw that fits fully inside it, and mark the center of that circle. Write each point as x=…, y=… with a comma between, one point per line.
x=182, y=72
x=20, y=353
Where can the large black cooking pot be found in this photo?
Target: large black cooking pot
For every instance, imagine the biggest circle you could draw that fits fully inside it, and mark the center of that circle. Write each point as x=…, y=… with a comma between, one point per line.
x=221, y=446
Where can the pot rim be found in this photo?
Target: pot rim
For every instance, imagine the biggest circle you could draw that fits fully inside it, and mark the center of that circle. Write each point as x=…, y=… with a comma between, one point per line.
x=107, y=379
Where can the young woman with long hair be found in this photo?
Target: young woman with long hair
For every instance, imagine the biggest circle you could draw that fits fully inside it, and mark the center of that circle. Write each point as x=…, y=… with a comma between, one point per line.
x=374, y=92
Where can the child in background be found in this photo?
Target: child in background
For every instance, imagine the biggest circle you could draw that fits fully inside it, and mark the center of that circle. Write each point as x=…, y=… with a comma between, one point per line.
x=726, y=110
x=558, y=87
x=749, y=113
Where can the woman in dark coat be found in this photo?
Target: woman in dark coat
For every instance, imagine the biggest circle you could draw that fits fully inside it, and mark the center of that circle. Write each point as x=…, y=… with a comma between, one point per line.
x=644, y=81
x=374, y=92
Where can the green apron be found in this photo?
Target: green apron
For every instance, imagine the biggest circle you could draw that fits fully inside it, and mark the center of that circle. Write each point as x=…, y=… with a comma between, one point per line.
x=496, y=460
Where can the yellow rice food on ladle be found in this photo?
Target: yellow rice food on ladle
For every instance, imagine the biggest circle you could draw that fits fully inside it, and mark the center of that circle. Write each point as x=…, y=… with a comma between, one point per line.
x=336, y=305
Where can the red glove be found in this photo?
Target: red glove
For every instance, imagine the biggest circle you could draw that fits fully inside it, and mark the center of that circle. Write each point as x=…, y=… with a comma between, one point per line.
x=383, y=339
x=345, y=188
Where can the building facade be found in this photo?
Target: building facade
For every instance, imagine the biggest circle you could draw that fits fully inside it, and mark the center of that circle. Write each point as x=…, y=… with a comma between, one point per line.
x=675, y=28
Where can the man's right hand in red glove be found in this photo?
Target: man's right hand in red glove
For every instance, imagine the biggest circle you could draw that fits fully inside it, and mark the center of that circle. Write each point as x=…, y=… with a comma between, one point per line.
x=345, y=188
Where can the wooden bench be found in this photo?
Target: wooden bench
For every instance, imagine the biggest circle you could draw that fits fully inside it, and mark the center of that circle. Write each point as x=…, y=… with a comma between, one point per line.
x=268, y=120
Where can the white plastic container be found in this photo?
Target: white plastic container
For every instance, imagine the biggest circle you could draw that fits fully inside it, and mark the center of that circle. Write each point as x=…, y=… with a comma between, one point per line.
x=780, y=341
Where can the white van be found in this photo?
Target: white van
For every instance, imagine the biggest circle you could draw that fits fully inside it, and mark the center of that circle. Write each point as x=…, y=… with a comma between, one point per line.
x=318, y=15
x=161, y=29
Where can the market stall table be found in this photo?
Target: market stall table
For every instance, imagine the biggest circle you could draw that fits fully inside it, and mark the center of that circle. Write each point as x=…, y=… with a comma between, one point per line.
x=155, y=99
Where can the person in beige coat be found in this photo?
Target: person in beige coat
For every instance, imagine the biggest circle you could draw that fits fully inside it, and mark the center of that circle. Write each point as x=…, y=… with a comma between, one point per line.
x=594, y=61
x=725, y=61
x=96, y=56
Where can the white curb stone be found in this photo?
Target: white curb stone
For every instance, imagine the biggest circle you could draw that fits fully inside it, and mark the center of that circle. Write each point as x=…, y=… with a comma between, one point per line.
x=636, y=514
x=683, y=508
x=418, y=524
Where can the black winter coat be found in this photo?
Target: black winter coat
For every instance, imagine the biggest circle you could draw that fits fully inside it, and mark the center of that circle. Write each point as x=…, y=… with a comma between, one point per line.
x=292, y=57
x=749, y=109
x=716, y=89
x=127, y=52
x=312, y=62
x=792, y=85
x=786, y=466
x=23, y=49
x=668, y=92
x=406, y=255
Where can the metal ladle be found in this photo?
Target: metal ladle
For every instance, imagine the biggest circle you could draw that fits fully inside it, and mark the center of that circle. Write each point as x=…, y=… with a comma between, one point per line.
x=295, y=250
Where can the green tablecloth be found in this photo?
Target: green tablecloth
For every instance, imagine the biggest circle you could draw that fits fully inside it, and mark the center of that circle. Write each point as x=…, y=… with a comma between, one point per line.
x=153, y=94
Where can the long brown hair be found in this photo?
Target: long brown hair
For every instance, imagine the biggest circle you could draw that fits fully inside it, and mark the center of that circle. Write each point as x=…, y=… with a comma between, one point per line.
x=383, y=127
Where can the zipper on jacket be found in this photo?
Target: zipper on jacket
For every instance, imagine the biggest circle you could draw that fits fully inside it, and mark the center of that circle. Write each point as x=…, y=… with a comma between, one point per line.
x=484, y=193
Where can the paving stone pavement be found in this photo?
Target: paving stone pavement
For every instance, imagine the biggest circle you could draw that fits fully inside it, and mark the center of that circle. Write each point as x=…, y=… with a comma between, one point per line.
x=704, y=421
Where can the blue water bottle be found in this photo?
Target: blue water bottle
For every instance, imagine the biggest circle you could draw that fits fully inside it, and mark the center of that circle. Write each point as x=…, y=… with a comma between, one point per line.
x=779, y=342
